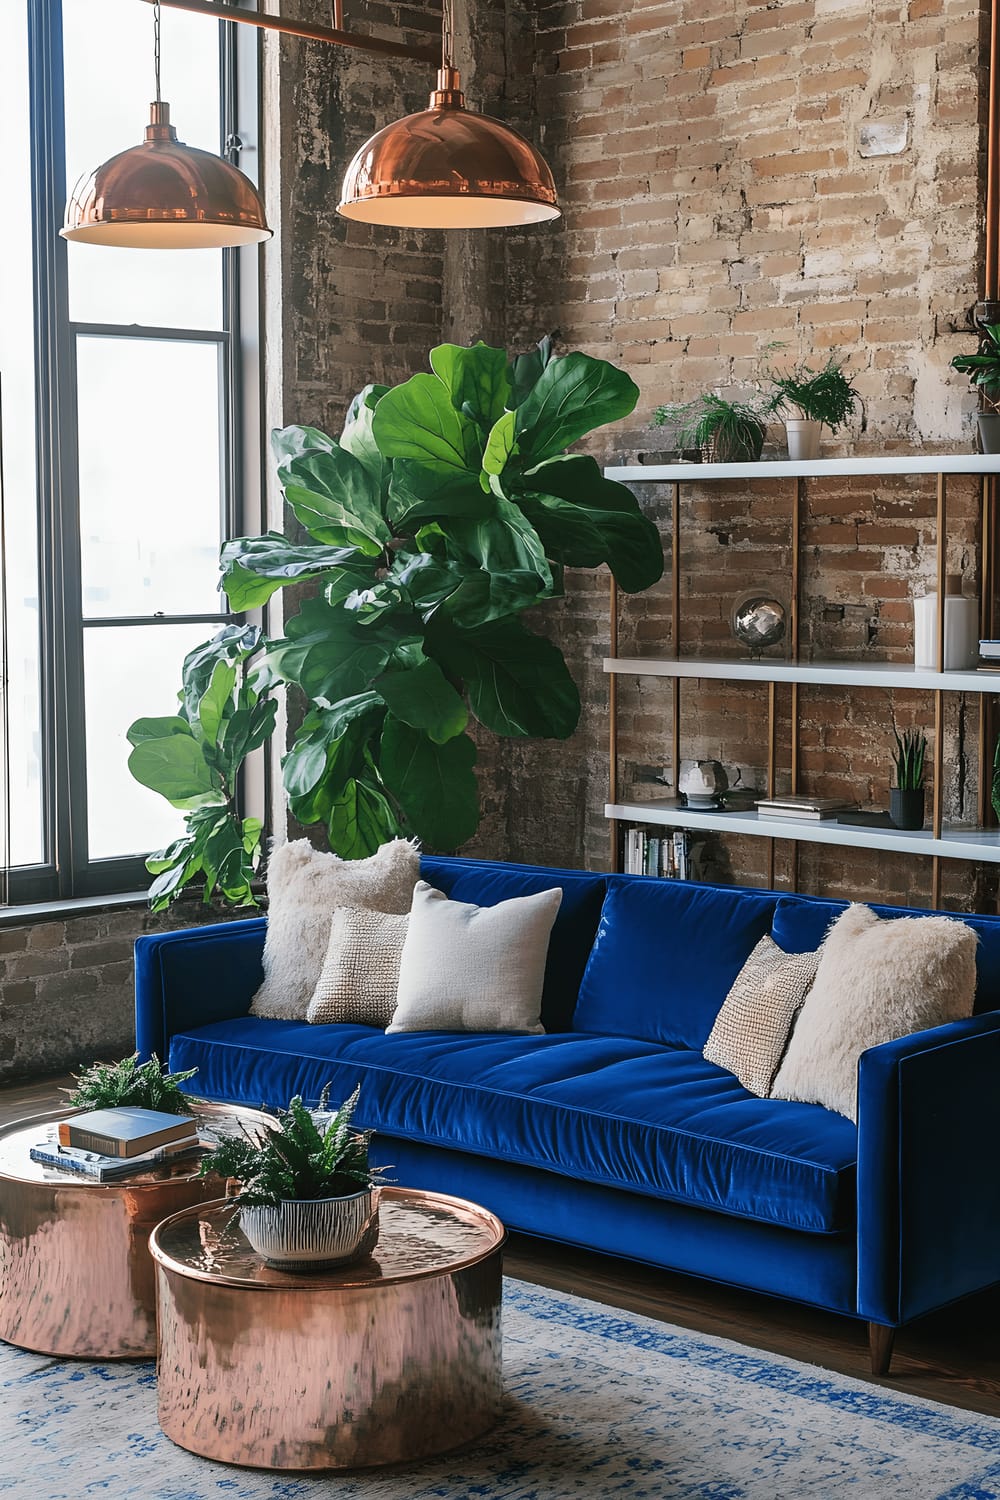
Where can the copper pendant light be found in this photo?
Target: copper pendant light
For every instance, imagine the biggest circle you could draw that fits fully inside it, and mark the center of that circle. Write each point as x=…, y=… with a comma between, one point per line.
x=163, y=195
x=448, y=167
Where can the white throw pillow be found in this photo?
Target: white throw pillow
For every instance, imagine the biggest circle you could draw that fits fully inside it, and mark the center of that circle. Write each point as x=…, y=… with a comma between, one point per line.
x=474, y=968
x=361, y=970
x=304, y=887
x=878, y=979
x=752, y=1027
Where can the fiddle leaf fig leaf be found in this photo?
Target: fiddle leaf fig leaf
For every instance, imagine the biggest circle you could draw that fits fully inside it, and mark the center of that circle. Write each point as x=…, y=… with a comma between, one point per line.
x=573, y=395
x=330, y=654
x=517, y=682
x=176, y=768
x=216, y=699
x=255, y=567
x=418, y=493
x=361, y=820
x=417, y=420
x=506, y=543
x=434, y=784
x=477, y=379
x=157, y=729
x=336, y=499
x=500, y=444
x=292, y=442
x=359, y=439
x=526, y=369
x=584, y=520
x=233, y=644
x=421, y=695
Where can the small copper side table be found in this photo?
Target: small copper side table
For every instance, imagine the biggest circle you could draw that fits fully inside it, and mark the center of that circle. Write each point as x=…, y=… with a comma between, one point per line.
x=76, y=1278
x=387, y=1360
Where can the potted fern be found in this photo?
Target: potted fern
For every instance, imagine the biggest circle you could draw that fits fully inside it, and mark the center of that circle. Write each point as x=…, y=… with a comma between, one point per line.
x=822, y=398
x=112, y=1085
x=906, y=798
x=724, y=432
x=306, y=1194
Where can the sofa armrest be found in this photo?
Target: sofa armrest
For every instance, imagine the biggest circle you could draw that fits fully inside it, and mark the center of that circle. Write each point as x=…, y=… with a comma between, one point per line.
x=928, y=1187
x=194, y=976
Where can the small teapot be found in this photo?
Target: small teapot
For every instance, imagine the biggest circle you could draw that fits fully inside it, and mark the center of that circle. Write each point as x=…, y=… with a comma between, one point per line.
x=702, y=782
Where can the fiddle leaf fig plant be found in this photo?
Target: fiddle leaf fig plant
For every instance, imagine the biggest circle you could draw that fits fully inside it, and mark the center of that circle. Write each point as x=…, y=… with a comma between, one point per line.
x=446, y=508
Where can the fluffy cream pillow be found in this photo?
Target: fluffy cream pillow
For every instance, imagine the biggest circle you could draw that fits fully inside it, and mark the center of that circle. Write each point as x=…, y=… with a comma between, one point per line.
x=752, y=1027
x=361, y=970
x=474, y=968
x=304, y=887
x=878, y=978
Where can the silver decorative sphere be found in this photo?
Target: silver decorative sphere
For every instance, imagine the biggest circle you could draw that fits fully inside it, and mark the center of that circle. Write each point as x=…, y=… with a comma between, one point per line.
x=757, y=620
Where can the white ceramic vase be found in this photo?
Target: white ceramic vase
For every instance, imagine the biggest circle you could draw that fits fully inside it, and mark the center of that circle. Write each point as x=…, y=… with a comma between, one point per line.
x=961, y=629
x=803, y=437
x=311, y=1234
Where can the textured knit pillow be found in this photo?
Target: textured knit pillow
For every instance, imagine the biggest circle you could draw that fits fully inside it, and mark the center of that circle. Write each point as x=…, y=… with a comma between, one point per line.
x=361, y=970
x=304, y=886
x=877, y=979
x=474, y=968
x=752, y=1027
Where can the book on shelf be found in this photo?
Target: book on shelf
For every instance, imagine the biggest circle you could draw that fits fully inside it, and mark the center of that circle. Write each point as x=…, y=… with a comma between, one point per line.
x=102, y=1168
x=656, y=854
x=990, y=649
x=803, y=807
x=807, y=814
x=125, y=1131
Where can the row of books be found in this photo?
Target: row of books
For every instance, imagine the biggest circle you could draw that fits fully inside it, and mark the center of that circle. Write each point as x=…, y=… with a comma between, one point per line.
x=106, y=1144
x=656, y=854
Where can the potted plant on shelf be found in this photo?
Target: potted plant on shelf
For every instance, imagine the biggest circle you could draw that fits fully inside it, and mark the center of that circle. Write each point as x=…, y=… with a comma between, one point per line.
x=724, y=432
x=111, y=1085
x=983, y=370
x=822, y=398
x=306, y=1194
x=906, y=798
x=446, y=508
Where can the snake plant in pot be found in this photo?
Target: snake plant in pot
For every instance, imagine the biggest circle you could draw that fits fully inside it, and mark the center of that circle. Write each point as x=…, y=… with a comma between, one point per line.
x=306, y=1194
x=446, y=508
x=906, y=798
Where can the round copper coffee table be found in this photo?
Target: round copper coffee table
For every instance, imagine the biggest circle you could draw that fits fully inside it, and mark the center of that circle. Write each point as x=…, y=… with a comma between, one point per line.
x=394, y=1358
x=76, y=1278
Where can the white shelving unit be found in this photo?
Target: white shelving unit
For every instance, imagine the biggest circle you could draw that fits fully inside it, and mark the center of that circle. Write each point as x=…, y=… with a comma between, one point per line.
x=937, y=841
x=832, y=674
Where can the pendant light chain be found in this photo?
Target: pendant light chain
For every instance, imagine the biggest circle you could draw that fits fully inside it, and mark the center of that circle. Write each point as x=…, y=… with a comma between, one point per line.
x=448, y=33
x=156, y=47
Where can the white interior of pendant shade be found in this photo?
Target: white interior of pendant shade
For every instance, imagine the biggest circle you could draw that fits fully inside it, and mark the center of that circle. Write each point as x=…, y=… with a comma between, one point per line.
x=169, y=236
x=446, y=211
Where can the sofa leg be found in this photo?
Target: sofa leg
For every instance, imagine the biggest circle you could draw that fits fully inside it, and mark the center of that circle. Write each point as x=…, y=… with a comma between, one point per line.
x=880, y=1341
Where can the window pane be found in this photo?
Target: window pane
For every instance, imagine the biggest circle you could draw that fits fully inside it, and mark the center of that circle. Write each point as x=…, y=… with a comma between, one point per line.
x=130, y=672
x=150, y=502
x=17, y=434
x=108, y=52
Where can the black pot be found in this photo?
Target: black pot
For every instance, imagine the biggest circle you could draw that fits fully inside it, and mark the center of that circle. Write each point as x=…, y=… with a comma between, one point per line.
x=906, y=807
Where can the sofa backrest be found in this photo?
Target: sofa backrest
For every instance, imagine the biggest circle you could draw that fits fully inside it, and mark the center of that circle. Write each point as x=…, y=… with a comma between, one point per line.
x=801, y=922
x=484, y=883
x=665, y=956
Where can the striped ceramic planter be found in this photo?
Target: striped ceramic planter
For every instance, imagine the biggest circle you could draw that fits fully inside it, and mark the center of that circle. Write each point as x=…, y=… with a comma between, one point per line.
x=311, y=1234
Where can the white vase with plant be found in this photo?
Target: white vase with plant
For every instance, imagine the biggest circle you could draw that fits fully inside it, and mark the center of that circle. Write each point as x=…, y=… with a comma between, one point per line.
x=819, y=398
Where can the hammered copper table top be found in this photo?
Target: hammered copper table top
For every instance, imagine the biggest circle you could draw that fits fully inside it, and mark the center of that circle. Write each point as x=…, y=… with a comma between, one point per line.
x=421, y=1234
x=17, y=1138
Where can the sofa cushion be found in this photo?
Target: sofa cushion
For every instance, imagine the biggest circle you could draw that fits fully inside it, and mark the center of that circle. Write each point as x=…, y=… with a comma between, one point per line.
x=484, y=884
x=629, y=1114
x=801, y=923
x=665, y=958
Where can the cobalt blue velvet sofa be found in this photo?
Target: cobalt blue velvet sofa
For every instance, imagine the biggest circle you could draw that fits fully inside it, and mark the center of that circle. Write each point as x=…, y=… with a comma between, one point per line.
x=611, y=1131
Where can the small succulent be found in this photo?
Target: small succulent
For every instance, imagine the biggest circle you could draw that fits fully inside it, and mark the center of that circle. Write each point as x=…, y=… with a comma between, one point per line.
x=304, y=1154
x=911, y=748
x=107, y=1085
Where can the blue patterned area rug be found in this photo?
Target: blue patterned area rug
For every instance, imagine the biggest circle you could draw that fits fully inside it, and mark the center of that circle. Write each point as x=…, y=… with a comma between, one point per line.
x=599, y=1403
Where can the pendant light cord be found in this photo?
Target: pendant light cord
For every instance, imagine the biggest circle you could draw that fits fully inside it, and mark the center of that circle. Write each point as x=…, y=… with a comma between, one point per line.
x=156, y=47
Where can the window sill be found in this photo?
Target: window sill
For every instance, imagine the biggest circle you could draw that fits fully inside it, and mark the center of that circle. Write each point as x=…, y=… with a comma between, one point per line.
x=33, y=912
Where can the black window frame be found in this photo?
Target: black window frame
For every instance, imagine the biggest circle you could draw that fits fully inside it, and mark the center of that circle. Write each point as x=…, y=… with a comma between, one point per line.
x=67, y=872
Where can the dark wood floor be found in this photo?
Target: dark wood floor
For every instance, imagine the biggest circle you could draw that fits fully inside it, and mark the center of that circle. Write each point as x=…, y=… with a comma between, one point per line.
x=952, y=1356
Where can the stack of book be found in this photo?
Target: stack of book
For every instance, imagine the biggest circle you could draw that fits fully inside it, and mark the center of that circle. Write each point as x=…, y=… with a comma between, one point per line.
x=106, y=1144
x=656, y=854
x=803, y=807
x=989, y=656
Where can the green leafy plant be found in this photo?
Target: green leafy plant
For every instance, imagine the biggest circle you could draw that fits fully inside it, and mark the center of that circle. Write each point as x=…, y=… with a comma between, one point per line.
x=824, y=395
x=983, y=367
x=105, y=1085
x=908, y=757
x=301, y=1156
x=446, y=508
x=995, y=782
x=193, y=758
x=724, y=431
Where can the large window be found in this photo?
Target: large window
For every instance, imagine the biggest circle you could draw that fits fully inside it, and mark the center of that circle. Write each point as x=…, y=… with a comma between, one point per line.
x=126, y=416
